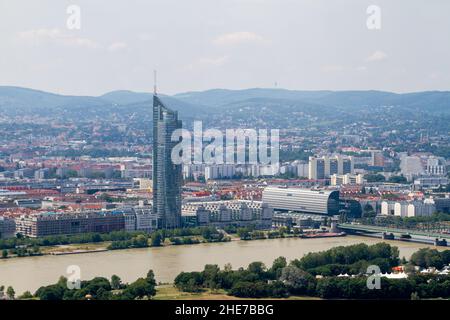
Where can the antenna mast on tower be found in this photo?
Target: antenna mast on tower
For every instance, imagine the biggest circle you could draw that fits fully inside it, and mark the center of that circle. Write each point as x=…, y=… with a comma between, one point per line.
x=154, y=83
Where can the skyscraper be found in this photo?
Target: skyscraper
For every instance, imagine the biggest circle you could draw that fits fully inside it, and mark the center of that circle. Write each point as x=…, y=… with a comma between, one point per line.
x=167, y=176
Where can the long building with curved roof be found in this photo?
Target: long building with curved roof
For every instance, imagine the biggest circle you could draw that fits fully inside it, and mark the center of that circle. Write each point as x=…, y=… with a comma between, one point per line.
x=324, y=202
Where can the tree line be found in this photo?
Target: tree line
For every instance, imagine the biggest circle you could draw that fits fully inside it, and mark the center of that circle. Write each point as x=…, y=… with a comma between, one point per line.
x=99, y=288
x=24, y=246
x=316, y=274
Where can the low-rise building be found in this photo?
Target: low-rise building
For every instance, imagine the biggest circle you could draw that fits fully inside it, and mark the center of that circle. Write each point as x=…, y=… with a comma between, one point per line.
x=430, y=182
x=345, y=179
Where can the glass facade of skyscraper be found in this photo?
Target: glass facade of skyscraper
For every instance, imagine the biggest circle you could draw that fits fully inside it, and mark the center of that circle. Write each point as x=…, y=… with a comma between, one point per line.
x=167, y=176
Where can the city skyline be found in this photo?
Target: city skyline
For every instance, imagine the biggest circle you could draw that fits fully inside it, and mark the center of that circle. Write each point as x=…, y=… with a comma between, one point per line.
x=289, y=149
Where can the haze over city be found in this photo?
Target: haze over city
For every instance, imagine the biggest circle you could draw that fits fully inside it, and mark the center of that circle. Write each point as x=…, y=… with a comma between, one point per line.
x=233, y=44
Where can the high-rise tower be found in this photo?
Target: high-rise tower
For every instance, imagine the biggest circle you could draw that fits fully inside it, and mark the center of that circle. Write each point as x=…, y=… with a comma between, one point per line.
x=167, y=176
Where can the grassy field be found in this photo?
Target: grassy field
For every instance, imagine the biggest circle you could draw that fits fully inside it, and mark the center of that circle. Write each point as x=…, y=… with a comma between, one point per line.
x=169, y=292
x=75, y=247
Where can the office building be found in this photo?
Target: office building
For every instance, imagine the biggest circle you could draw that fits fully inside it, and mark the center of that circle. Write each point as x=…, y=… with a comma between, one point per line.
x=234, y=212
x=435, y=166
x=41, y=174
x=316, y=168
x=387, y=208
x=411, y=166
x=140, y=218
x=326, y=166
x=52, y=223
x=408, y=208
x=442, y=204
x=192, y=171
x=167, y=176
x=7, y=228
x=325, y=202
x=220, y=171
x=377, y=158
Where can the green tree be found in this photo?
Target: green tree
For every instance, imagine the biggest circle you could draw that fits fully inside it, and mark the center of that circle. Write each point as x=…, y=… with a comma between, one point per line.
x=52, y=292
x=374, y=178
x=156, y=239
x=427, y=257
x=26, y=296
x=368, y=211
x=139, y=289
x=245, y=289
x=150, y=278
x=297, y=280
x=10, y=293
x=210, y=273
x=103, y=294
x=4, y=253
x=116, y=282
x=277, y=265
x=398, y=179
x=256, y=267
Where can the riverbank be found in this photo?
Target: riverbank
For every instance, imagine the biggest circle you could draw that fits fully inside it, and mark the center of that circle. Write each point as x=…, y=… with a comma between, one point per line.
x=29, y=273
x=96, y=247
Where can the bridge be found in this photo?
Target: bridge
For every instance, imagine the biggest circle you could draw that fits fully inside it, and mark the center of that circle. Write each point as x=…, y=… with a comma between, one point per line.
x=377, y=229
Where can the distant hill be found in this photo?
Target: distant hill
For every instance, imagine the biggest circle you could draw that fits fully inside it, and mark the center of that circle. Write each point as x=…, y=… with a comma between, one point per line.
x=16, y=97
x=199, y=104
x=435, y=101
x=126, y=97
x=16, y=100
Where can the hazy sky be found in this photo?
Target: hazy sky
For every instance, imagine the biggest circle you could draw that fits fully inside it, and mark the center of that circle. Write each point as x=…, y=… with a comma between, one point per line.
x=204, y=44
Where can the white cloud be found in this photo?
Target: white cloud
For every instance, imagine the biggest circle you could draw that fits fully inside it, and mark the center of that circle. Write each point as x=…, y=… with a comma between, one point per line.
x=117, y=46
x=376, y=56
x=361, y=68
x=38, y=36
x=145, y=37
x=331, y=68
x=207, y=62
x=237, y=38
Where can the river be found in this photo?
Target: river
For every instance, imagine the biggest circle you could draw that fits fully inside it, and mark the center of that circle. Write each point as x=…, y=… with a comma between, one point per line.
x=30, y=273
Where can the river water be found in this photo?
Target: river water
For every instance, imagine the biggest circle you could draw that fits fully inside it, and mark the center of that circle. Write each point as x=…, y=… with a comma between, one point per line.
x=30, y=273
